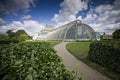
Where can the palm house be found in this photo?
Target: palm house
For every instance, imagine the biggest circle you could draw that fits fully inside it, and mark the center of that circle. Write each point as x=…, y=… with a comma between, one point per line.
x=42, y=35
x=73, y=31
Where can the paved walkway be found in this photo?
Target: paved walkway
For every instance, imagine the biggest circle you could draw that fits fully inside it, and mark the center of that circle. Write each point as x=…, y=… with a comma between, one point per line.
x=72, y=64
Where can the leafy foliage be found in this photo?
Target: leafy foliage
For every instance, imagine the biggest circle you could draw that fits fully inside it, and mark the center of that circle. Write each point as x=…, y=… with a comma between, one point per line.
x=3, y=36
x=116, y=34
x=106, y=54
x=31, y=61
x=20, y=32
x=23, y=37
x=23, y=34
x=14, y=37
x=79, y=49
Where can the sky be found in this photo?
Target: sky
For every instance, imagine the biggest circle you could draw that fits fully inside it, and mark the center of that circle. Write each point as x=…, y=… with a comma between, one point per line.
x=32, y=15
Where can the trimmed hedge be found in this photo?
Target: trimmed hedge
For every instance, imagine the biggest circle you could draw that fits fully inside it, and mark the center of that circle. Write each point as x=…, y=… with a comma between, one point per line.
x=106, y=54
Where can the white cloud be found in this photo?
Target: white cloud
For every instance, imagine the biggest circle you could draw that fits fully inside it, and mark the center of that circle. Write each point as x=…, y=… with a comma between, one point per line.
x=102, y=8
x=69, y=9
x=79, y=17
x=89, y=18
x=12, y=6
x=33, y=27
x=103, y=18
x=30, y=26
x=1, y=21
x=26, y=16
x=2, y=29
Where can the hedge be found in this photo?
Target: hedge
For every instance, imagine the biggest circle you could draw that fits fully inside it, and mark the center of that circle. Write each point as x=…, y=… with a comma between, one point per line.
x=106, y=54
x=31, y=61
x=8, y=41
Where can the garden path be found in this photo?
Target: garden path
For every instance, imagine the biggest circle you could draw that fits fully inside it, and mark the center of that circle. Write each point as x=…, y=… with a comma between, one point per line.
x=73, y=64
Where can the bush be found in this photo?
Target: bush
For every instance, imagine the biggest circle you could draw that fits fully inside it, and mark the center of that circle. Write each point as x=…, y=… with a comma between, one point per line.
x=116, y=34
x=106, y=54
x=31, y=61
x=8, y=41
x=23, y=37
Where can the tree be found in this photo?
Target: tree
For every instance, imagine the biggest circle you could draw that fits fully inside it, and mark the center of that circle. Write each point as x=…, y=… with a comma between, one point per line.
x=10, y=34
x=19, y=35
x=104, y=33
x=23, y=37
x=116, y=34
x=3, y=37
x=9, y=31
x=19, y=32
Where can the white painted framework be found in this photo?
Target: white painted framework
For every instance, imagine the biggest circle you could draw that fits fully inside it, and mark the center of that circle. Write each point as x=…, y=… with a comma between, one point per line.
x=73, y=31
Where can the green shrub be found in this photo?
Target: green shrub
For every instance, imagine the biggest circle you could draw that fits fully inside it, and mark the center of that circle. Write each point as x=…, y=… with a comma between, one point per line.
x=116, y=34
x=106, y=54
x=31, y=61
x=8, y=41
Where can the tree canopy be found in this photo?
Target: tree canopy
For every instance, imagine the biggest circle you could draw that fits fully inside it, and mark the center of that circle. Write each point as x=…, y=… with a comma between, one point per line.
x=17, y=36
x=23, y=37
x=116, y=34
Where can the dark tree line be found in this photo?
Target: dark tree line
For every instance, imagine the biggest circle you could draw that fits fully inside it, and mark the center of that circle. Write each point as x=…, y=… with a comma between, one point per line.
x=17, y=36
x=116, y=34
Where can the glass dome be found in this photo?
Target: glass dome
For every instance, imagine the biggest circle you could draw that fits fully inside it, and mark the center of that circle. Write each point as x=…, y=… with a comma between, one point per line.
x=73, y=31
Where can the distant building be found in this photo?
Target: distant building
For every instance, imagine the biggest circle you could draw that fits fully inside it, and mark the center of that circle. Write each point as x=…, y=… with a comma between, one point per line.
x=42, y=35
x=107, y=36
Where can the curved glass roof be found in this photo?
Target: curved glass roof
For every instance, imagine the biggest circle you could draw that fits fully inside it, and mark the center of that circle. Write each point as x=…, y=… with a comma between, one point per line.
x=72, y=31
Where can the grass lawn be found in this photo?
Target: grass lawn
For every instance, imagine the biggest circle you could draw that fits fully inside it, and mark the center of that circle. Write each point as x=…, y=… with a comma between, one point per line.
x=53, y=43
x=80, y=51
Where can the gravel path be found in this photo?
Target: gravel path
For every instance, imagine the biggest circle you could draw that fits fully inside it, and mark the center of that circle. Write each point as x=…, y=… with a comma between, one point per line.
x=72, y=64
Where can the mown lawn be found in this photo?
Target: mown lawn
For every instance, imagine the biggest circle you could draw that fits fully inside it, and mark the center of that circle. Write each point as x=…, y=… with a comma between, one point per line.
x=53, y=43
x=79, y=49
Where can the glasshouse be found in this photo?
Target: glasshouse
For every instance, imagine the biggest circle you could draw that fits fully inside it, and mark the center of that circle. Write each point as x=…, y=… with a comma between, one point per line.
x=42, y=35
x=73, y=31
